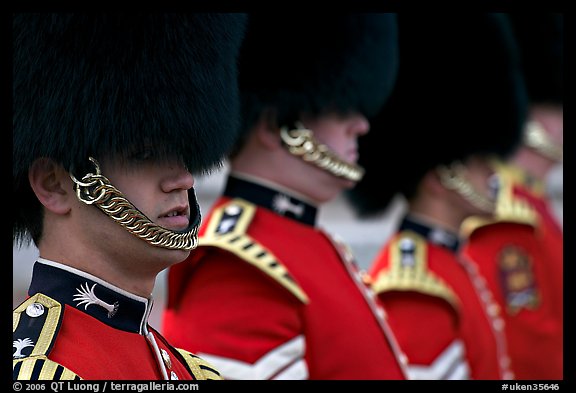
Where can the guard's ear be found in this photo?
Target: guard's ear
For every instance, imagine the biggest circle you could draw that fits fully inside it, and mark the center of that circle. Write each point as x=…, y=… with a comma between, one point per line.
x=51, y=184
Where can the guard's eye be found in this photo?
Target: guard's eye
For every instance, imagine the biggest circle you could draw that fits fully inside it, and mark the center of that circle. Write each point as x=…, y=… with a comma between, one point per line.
x=142, y=154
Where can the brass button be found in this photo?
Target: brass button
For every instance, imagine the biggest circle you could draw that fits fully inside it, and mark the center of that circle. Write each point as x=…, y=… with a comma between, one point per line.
x=166, y=358
x=35, y=310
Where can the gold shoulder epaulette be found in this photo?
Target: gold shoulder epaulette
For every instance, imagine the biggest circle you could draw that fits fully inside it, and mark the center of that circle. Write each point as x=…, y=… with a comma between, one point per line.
x=516, y=175
x=511, y=210
x=508, y=206
x=408, y=270
x=39, y=368
x=35, y=325
x=227, y=230
x=516, y=210
x=472, y=223
x=200, y=368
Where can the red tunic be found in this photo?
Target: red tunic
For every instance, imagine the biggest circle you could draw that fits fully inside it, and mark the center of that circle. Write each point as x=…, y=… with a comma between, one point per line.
x=549, y=233
x=521, y=255
x=443, y=315
x=270, y=297
x=75, y=326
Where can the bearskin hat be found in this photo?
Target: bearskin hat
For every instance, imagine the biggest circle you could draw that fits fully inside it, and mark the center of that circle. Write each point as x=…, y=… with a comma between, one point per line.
x=97, y=84
x=541, y=40
x=314, y=62
x=459, y=92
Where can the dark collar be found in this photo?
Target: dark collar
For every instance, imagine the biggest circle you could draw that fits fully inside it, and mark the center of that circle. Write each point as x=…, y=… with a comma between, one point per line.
x=91, y=295
x=434, y=234
x=273, y=199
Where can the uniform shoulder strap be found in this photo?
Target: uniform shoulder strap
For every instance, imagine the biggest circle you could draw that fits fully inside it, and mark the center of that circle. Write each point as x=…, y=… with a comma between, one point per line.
x=35, y=326
x=200, y=368
x=509, y=207
x=41, y=368
x=408, y=269
x=227, y=229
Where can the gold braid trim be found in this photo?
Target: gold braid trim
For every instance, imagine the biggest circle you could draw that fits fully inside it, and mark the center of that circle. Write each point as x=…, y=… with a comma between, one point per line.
x=48, y=370
x=415, y=275
x=239, y=243
x=200, y=368
x=23, y=367
x=49, y=330
x=301, y=143
x=509, y=207
x=96, y=189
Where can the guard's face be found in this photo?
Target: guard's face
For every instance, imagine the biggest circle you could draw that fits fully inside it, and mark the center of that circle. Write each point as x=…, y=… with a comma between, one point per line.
x=157, y=189
x=340, y=134
x=551, y=118
x=479, y=172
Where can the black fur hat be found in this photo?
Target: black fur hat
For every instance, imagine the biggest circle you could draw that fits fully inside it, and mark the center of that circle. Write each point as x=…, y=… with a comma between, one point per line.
x=541, y=40
x=459, y=92
x=97, y=84
x=310, y=63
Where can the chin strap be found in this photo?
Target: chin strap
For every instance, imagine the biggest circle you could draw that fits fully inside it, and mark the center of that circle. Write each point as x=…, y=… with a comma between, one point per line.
x=95, y=189
x=453, y=178
x=301, y=143
x=535, y=137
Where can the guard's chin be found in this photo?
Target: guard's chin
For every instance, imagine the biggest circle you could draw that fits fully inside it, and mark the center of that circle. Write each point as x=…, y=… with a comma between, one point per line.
x=173, y=257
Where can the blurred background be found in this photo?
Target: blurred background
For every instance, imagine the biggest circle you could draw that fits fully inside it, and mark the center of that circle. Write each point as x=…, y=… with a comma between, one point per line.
x=364, y=237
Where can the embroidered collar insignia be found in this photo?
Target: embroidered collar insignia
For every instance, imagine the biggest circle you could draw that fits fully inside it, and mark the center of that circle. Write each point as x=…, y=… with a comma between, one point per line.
x=282, y=204
x=87, y=296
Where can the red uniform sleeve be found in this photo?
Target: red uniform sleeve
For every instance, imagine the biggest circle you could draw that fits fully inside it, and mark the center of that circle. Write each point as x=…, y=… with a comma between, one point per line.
x=425, y=326
x=229, y=308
